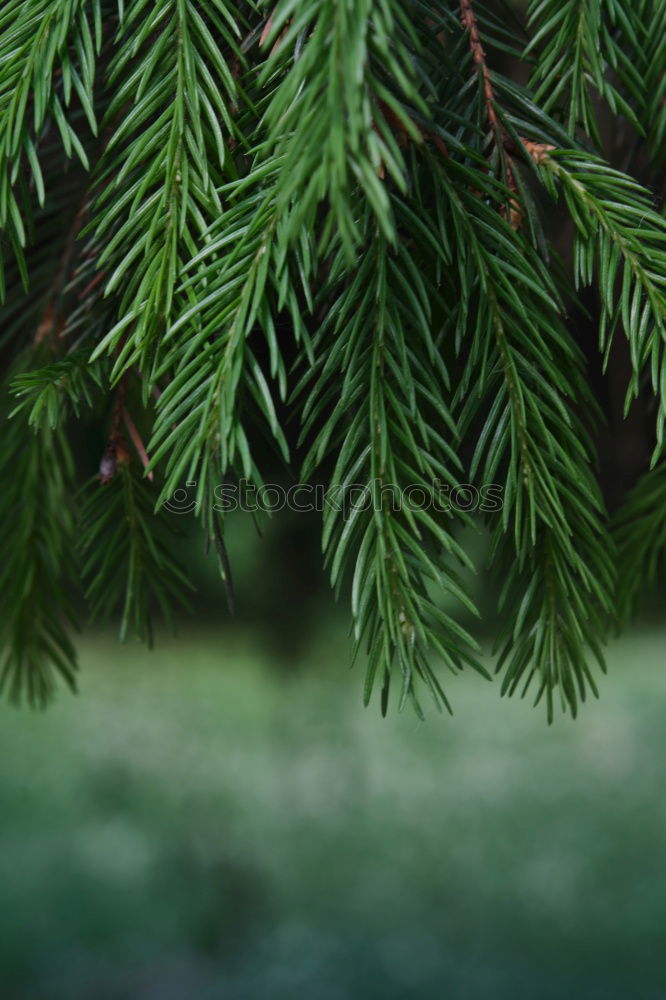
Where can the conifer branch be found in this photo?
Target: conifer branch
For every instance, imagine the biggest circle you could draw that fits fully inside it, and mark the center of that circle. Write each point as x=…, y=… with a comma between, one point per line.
x=163, y=163
x=618, y=229
x=394, y=555
x=330, y=209
x=585, y=43
x=552, y=548
x=38, y=568
x=48, y=51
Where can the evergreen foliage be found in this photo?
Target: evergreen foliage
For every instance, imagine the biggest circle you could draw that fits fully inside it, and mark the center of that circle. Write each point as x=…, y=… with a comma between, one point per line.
x=215, y=213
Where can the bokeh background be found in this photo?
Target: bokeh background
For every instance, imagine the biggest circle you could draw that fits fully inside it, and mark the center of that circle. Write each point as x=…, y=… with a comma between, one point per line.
x=221, y=818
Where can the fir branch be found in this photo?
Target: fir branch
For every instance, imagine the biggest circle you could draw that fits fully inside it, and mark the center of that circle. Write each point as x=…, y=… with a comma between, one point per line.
x=199, y=423
x=523, y=373
x=37, y=564
x=650, y=63
x=379, y=394
x=621, y=242
x=48, y=56
x=127, y=560
x=159, y=175
x=349, y=75
x=583, y=44
x=48, y=393
x=360, y=177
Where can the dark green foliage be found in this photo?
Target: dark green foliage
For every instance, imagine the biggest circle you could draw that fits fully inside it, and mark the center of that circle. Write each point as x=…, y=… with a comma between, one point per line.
x=157, y=185
x=378, y=358
x=48, y=54
x=37, y=541
x=46, y=395
x=587, y=50
x=551, y=538
x=126, y=550
x=640, y=531
x=619, y=243
x=223, y=209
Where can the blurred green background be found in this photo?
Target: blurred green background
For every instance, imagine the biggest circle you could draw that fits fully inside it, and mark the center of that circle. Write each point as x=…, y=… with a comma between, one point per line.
x=220, y=818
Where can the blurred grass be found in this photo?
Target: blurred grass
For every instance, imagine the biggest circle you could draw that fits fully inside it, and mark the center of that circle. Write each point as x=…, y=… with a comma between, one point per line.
x=200, y=825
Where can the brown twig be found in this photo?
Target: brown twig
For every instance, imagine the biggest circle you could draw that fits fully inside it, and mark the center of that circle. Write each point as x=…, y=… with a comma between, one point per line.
x=52, y=319
x=92, y=284
x=116, y=450
x=538, y=151
x=512, y=212
x=267, y=30
x=469, y=22
x=136, y=441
